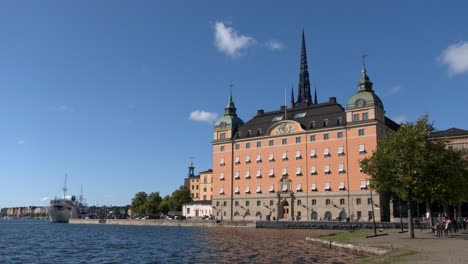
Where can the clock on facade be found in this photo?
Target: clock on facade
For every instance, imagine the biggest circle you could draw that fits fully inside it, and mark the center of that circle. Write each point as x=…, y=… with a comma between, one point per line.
x=360, y=102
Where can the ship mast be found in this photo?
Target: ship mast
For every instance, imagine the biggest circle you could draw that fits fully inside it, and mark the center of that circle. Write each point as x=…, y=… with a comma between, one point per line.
x=65, y=188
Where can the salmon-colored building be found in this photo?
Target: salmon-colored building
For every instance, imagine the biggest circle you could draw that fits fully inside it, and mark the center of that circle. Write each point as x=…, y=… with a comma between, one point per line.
x=300, y=162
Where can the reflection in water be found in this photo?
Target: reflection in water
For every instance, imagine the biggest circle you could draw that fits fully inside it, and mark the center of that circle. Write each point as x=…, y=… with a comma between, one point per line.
x=247, y=245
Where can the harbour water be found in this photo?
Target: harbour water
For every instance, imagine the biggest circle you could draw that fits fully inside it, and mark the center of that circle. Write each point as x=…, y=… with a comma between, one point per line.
x=38, y=241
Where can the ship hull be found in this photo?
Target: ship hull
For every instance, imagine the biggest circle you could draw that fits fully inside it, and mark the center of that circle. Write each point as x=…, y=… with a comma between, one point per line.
x=59, y=215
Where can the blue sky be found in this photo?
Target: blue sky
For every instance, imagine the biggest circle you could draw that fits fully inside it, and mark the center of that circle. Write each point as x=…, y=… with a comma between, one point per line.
x=121, y=95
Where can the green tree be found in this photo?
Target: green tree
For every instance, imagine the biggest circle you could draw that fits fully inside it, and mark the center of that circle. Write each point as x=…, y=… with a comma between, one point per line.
x=139, y=203
x=164, y=206
x=412, y=166
x=180, y=197
x=154, y=200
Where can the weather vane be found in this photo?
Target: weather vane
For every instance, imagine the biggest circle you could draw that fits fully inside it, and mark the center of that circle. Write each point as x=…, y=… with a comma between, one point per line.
x=230, y=88
x=364, y=55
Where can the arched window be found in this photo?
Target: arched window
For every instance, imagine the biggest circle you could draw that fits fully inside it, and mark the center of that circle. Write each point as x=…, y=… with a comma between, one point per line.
x=328, y=216
x=314, y=215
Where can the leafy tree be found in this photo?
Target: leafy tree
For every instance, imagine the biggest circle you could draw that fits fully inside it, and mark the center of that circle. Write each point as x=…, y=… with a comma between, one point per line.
x=154, y=200
x=411, y=165
x=139, y=203
x=180, y=197
x=164, y=206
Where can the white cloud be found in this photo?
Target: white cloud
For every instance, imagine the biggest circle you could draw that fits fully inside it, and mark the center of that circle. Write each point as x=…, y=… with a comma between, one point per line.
x=456, y=58
x=45, y=199
x=400, y=119
x=67, y=108
x=275, y=45
x=203, y=116
x=394, y=89
x=227, y=39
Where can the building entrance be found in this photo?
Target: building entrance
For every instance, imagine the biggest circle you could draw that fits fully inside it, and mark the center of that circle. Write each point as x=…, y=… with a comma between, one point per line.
x=285, y=209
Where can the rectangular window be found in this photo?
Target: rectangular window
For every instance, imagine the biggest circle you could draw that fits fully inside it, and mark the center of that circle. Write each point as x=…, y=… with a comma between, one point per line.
x=327, y=186
x=221, y=162
x=298, y=171
x=247, y=190
x=362, y=149
x=342, y=186
x=327, y=169
x=298, y=154
x=369, y=200
x=358, y=201
x=312, y=138
x=313, y=187
x=341, y=168
x=313, y=153
x=327, y=202
x=221, y=190
x=325, y=122
x=237, y=175
x=272, y=188
x=221, y=176
x=271, y=143
x=259, y=158
x=285, y=171
x=364, y=116
x=221, y=148
x=340, y=151
x=361, y=132
x=285, y=188
x=236, y=190
x=326, y=152
x=356, y=117
x=299, y=202
x=259, y=173
x=237, y=146
x=259, y=144
x=313, y=170
x=272, y=173
x=259, y=189
x=299, y=187
x=363, y=184
x=284, y=141
x=247, y=145
x=325, y=136
x=284, y=156
x=298, y=139
x=247, y=159
x=339, y=134
x=342, y=201
x=222, y=136
x=237, y=160
x=272, y=157
x=314, y=202
x=247, y=174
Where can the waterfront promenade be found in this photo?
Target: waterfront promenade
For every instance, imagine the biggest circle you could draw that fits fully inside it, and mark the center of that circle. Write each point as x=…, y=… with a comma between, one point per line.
x=424, y=248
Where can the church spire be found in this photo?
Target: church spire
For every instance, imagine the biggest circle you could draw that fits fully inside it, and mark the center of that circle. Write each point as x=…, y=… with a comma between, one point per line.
x=304, y=97
x=315, y=96
x=292, y=95
x=364, y=82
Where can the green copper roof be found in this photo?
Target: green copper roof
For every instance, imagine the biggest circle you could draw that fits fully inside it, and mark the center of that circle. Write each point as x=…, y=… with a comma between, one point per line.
x=365, y=95
x=230, y=119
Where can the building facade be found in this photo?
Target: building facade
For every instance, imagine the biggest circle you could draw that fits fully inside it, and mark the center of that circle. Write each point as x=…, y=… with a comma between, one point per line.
x=197, y=209
x=200, y=186
x=300, y=162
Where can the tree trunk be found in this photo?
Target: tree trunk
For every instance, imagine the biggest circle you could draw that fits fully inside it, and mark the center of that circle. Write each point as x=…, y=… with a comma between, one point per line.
x=429, y=210
x=410, y=216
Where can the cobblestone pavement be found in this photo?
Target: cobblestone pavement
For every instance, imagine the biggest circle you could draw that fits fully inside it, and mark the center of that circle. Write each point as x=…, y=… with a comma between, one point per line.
x=429, y=249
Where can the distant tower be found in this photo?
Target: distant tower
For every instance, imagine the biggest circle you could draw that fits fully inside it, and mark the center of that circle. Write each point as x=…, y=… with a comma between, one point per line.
x=191, y=170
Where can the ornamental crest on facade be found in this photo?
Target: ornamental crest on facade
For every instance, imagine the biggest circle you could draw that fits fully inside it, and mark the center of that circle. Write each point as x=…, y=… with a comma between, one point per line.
x=284, y=128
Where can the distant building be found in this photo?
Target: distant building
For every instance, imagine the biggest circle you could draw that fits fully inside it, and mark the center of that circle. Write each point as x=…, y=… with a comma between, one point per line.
x=300, y=162
x=456, y=138
x=197, y=209
x=200, y=186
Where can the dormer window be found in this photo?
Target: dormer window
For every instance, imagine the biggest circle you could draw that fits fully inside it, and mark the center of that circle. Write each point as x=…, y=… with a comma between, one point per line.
x=249, y=133
x=312, y=124
x=277, y=118
x=339, y=121
x=299, y=115
x=325, y=122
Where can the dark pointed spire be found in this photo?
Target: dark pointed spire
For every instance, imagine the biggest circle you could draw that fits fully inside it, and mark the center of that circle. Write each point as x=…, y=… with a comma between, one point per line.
x=315, y=96
x=304, y=97
x=292, y=95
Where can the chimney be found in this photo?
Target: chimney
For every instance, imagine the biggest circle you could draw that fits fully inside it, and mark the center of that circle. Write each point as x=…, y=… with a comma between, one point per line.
x=260, y=112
